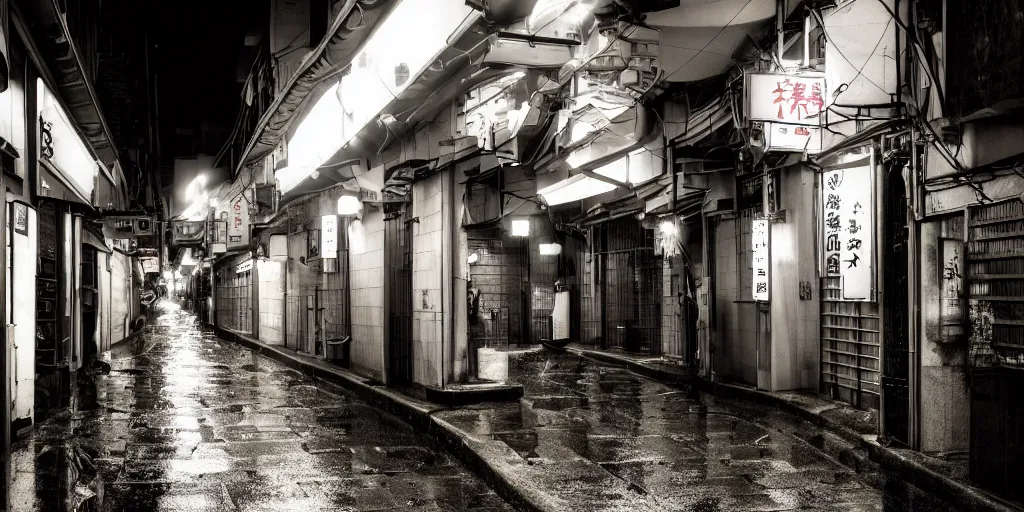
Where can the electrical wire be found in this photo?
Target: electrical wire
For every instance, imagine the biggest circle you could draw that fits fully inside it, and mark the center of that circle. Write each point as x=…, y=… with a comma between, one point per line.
x=860, y=71
x=720, y=32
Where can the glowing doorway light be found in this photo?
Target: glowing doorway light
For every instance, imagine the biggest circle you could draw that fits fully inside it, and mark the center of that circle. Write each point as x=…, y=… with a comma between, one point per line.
x=550, y=249
x=521, y=227
x=349, y=105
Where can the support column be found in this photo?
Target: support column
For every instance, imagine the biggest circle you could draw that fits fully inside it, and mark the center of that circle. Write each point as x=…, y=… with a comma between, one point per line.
x=795, y=308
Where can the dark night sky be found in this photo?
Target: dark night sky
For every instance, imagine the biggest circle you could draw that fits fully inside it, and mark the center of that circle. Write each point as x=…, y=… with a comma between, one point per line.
x=198, y=44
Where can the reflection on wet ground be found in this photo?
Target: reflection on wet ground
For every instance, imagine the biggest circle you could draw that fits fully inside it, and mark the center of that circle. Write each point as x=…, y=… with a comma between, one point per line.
x=182, y=421
x=601, y=438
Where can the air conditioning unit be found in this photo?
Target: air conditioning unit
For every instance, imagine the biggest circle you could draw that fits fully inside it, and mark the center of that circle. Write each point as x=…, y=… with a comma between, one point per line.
x=128, y=227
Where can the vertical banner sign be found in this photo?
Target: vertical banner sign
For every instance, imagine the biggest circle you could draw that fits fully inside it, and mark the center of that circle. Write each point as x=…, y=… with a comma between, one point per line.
x=848, y=227
x=329, y=236
x=759, y=241
x=238, y=222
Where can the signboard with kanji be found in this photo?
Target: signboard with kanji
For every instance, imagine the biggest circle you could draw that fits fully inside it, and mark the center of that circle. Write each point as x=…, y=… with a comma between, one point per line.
x=787, y=99
x=848, y=227
x=759, y=243
x=329, y=234
x=238, y=222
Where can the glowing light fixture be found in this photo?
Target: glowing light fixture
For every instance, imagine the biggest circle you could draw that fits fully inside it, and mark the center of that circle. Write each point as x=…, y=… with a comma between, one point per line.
x=349, y=205
x=550, y=249
x=545, y=11
x=669, y=228
x=521, y=227
x=358, y=98
x=473, y=258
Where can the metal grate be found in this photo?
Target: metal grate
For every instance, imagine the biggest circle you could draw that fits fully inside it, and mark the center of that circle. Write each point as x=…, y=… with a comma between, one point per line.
x=398, y=259
x=850, y=347
x=500, y=275
x=234, y=296
x=630, y=282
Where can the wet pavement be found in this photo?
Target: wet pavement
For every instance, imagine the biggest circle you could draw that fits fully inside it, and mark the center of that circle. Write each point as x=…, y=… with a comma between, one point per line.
x=182, y=421
x=588, y=436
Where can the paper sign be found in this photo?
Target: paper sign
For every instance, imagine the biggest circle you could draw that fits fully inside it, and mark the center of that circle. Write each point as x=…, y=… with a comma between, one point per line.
x=329, y=236
x=759, y=242
x=847, y=229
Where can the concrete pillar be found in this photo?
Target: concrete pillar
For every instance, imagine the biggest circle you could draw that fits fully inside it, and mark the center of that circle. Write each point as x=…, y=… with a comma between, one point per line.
x=795, y=305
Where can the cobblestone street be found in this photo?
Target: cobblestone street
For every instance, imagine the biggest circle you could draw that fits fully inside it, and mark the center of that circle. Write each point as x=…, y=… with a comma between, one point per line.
x=184, y=421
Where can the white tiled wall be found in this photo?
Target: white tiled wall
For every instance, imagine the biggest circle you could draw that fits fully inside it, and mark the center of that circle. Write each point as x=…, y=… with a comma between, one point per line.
x=427, y=280
x=367, y=295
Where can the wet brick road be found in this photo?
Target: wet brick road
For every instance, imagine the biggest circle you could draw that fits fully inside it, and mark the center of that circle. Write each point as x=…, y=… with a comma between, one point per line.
x=184, y=421
x=595, y=437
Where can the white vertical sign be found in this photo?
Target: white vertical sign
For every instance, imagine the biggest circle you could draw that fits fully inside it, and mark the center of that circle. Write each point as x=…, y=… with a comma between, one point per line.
x=759, y=243
x=560, y=317
x=329, y=236
x=847, y=228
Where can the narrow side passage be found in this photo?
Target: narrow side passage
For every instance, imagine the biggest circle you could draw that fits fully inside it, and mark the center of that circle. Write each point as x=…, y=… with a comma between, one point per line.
x=184, y=421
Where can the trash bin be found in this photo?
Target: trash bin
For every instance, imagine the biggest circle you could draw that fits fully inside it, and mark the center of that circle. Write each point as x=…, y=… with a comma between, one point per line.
x=338, y=350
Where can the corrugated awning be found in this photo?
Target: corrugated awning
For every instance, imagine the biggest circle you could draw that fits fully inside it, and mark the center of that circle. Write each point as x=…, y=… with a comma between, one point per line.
x=351, y=27
x=96, y=241
x=62, y=66
x=582, y=186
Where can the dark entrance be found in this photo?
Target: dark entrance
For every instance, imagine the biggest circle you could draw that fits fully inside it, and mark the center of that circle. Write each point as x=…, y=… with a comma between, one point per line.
x=398, y=286
x=896, y=346
x=630, y=282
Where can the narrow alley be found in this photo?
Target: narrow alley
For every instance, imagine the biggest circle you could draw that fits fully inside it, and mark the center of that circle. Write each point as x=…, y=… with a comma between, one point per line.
x=186, y=422
x=182, y=420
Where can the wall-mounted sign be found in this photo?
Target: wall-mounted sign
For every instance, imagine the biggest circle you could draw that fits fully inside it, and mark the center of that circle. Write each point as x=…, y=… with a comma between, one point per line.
x=20, y=218
x=329, y=236
x=238, y=222
x=790, y=99
x=150, y=265
x=797, y=138
x=760, y=235
x=61, y=147
x=951, y=294
x=848, y=227
x=244, y=266
x=188, y=232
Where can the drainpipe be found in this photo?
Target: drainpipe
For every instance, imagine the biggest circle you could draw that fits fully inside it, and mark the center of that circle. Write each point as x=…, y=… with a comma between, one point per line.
x=453, y=242
x=780, y=20
x=807, y=41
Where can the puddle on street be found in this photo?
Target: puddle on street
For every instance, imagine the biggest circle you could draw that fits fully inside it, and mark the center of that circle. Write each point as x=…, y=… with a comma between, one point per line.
x=180, y=420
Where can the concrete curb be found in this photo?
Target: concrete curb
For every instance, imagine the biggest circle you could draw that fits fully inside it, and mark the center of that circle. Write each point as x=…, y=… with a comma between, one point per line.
x=419, y=415
x=955, y=493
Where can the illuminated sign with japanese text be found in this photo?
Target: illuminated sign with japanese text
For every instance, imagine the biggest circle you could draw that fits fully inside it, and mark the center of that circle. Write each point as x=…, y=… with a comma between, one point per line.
x=788, y=99
x=329, y=236
x=759, y=243
x=847, y=229
x=238, y=222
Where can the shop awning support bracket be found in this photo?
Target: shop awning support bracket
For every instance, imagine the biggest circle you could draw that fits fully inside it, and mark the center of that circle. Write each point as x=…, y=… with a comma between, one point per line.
x=596, y=176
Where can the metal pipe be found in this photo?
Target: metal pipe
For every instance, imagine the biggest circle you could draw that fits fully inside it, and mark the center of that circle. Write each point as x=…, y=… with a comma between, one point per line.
x=807, y=41
x=780, y=32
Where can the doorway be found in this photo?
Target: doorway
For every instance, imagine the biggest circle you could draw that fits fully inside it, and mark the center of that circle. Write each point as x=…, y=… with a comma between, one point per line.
x=895, y=311
x=398, y=274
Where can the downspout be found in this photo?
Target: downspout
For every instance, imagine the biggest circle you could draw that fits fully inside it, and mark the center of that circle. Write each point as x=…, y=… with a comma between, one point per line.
x=453, y=242
x=780, y=31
